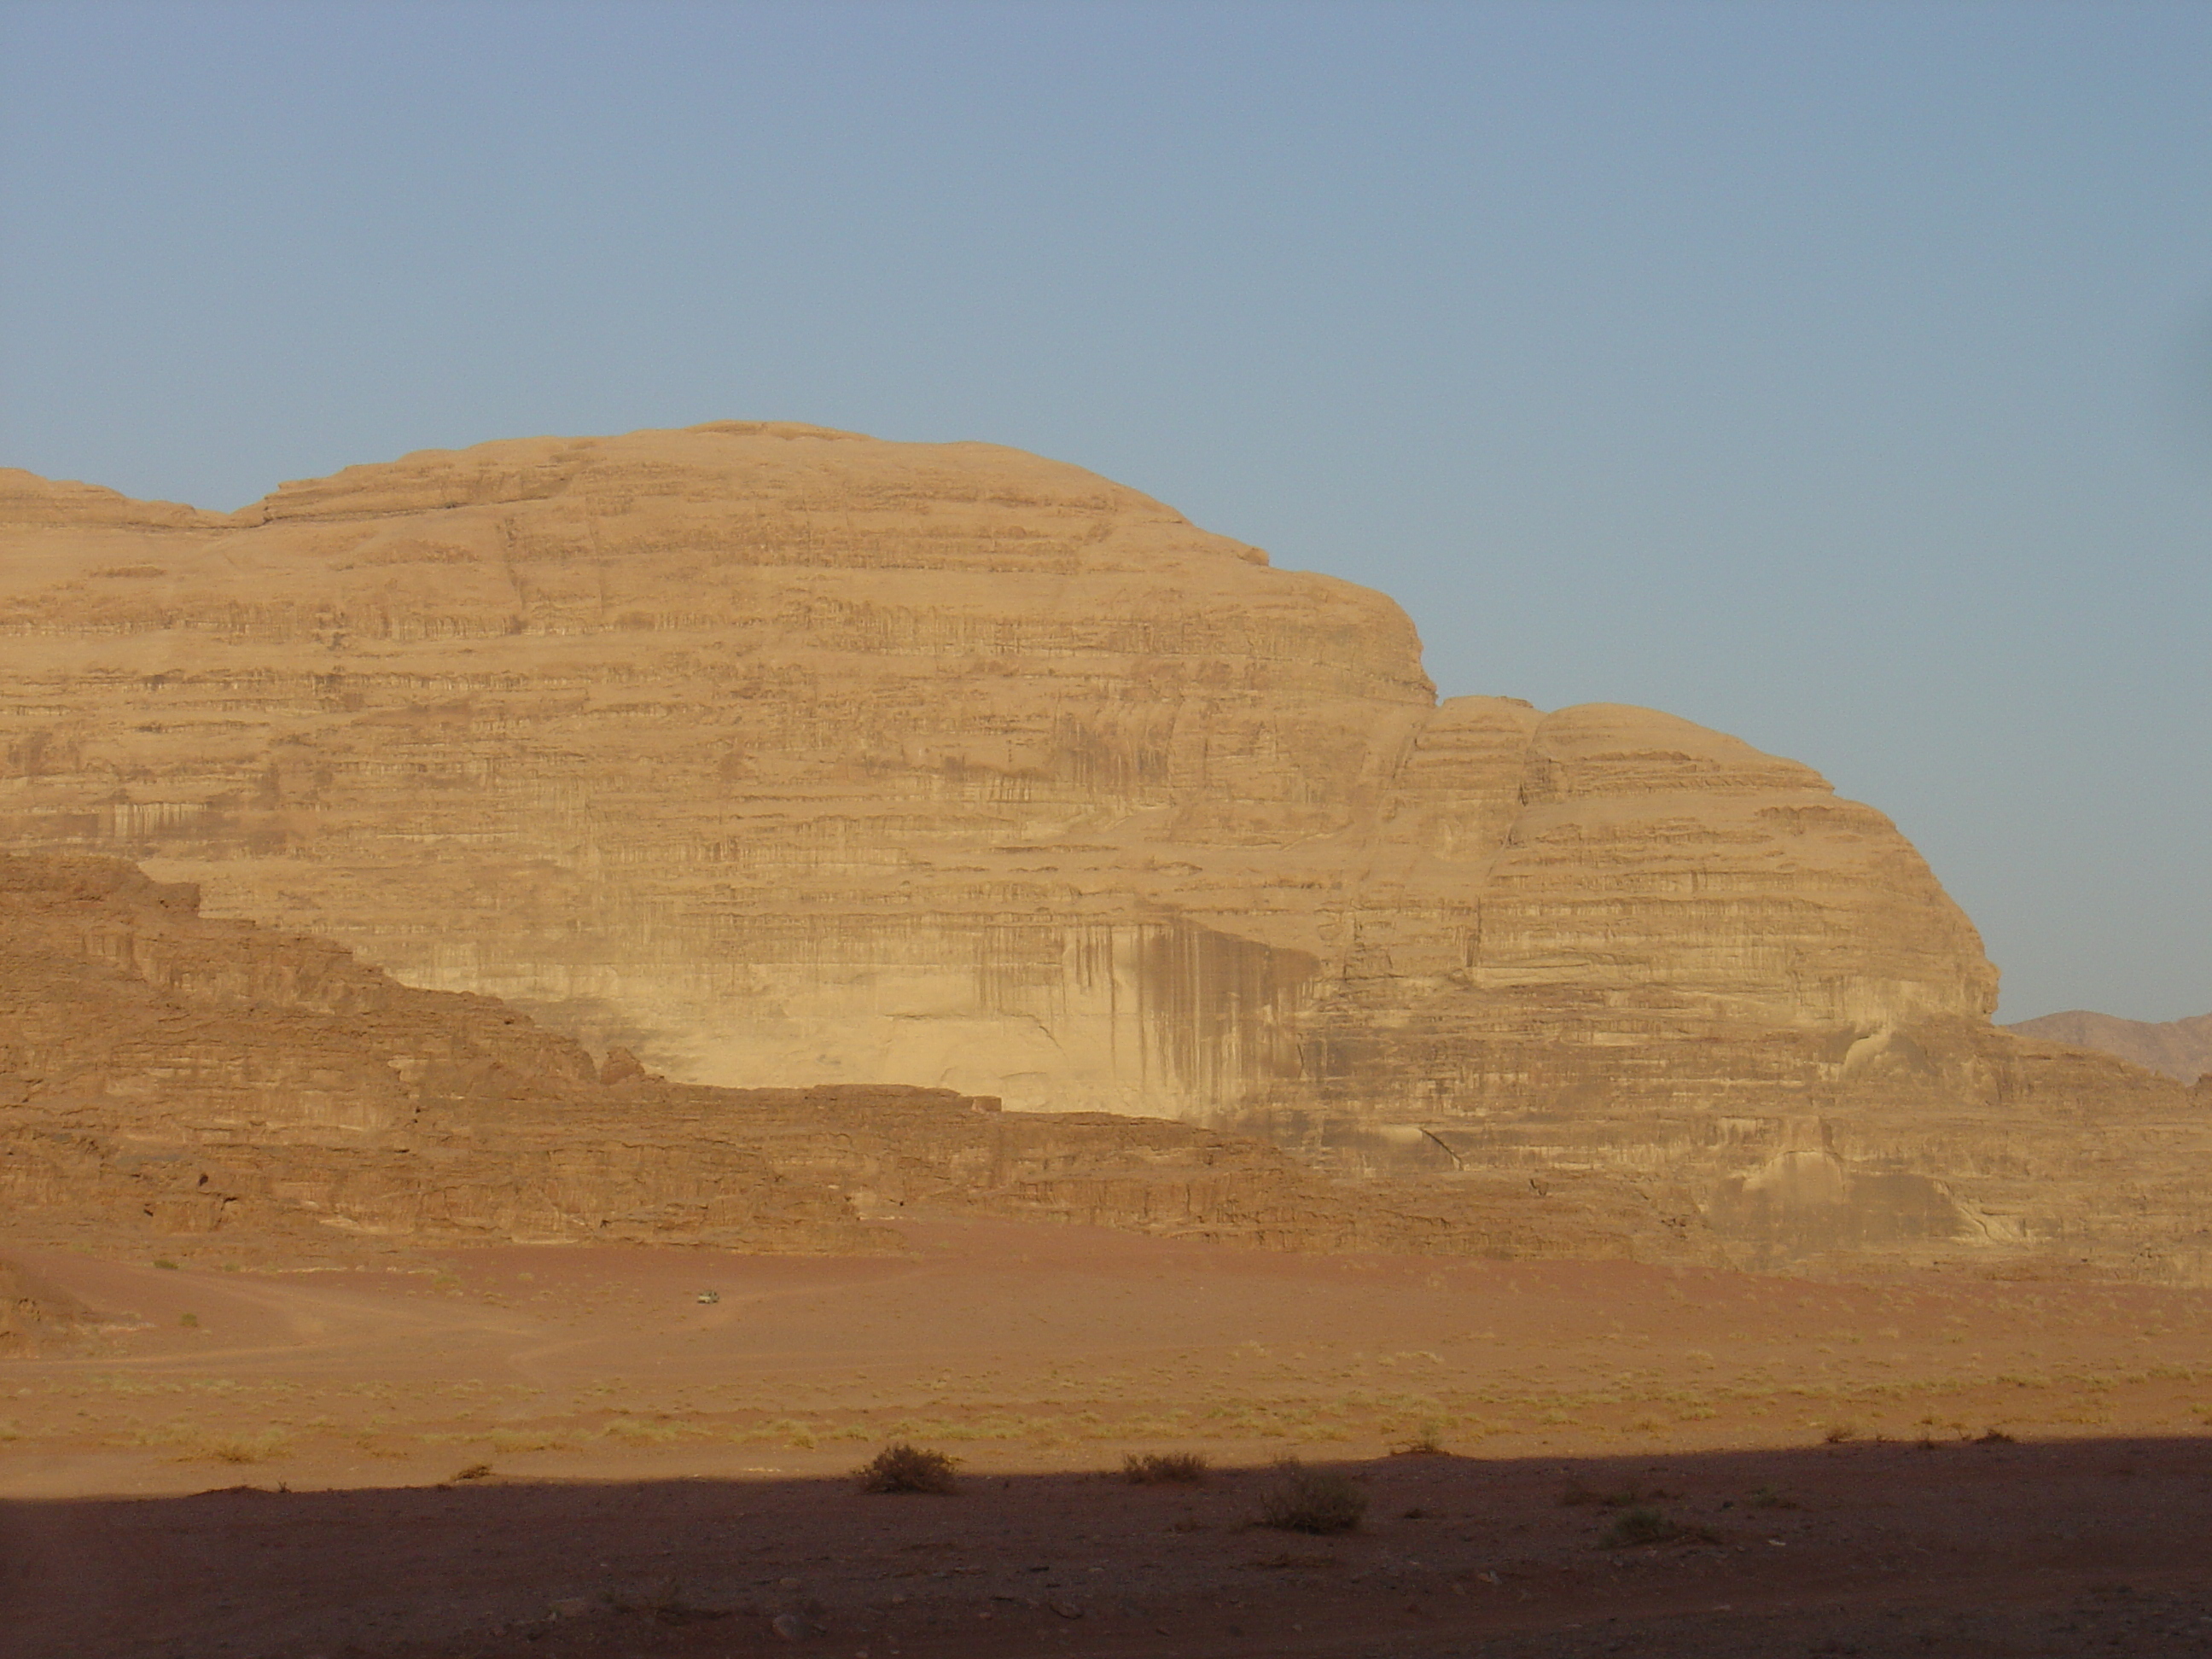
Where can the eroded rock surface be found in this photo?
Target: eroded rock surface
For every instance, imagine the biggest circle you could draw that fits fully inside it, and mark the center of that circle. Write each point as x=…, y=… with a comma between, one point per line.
x=776, y=754
x=167, y=1074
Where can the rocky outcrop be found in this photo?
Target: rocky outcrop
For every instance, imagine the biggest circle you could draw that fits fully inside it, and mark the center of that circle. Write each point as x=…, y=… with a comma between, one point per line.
x=774, y=753
x=2180, y=1049
x=777, y=755
x=35, y=1315
x=163, y=1072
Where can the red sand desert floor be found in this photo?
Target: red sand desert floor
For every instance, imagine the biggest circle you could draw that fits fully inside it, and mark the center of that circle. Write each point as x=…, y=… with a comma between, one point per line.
x=558, y=1451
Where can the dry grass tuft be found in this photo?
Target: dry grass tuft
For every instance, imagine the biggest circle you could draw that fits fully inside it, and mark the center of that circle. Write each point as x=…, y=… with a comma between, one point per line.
x=1165, y=1469
x=261, y=1448
x=903, y=1468
x=1318, y=1501
x=1641, y=1525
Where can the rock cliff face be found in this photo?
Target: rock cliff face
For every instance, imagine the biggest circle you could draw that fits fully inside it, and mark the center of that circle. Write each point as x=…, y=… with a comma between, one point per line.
x=162, y=1071
x=773, y=752
x=2179, y=1048
x=780, y=754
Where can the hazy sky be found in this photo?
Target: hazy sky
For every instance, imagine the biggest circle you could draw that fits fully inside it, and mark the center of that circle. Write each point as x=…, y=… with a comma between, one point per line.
x=1840, y=375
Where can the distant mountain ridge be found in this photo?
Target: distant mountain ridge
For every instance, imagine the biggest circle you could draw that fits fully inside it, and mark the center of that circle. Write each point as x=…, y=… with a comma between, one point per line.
x=2179, y=1047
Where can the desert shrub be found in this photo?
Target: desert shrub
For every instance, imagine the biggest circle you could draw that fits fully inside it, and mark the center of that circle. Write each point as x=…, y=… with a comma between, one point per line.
x=1994, y=1438
x=903, y=1468
x=1640, y=1525
x=261, y=1448
x=1839, y=1432
x=1300, y=1499
x=1646, y=1525
x=1165, y=1469
x=1429, y=1441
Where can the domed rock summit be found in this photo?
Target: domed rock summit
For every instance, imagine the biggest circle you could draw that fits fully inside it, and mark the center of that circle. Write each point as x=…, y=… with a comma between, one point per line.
x=779, y=757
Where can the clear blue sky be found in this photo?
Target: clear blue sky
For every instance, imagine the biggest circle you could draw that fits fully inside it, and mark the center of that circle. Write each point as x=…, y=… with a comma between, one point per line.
x=1840, y=375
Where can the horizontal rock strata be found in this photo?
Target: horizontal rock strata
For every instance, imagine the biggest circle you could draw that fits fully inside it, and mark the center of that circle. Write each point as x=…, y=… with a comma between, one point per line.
x=777, y=753
x=781, y=756
x=164, y=1072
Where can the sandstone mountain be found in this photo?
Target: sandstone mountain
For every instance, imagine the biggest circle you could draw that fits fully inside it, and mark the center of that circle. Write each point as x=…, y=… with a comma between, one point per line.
x=161, y=1072
x=2179, y=1047
x=783, y=755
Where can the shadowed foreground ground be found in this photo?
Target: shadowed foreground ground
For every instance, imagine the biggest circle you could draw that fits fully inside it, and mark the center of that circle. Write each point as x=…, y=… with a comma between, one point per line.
x=1963, y=1548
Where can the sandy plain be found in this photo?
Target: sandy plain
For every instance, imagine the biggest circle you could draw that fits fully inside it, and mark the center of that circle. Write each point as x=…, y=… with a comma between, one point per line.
x=393, y=1451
